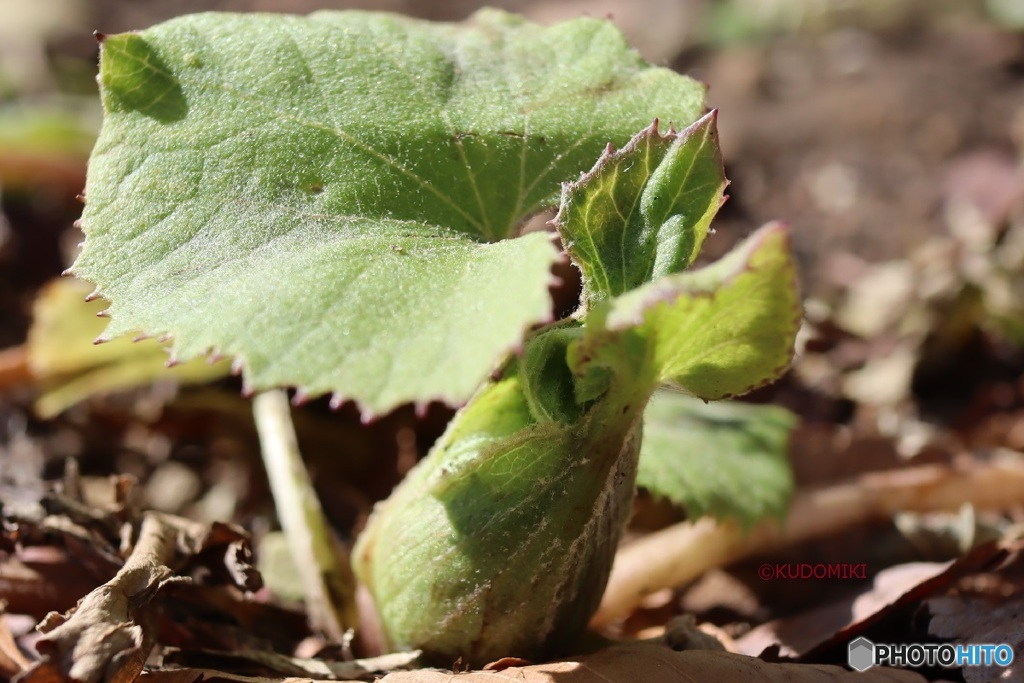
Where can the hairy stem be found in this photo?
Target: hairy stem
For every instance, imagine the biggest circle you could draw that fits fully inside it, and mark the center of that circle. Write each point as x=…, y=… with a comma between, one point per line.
x=321, y=561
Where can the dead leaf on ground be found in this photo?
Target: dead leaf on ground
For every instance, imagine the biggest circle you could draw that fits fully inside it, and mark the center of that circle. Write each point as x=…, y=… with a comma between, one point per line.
x=981, y=620
x=109, y=634
x=267, y=663
x=37, y=580
x=625, y=663
x=808, y=634
x=985, y=608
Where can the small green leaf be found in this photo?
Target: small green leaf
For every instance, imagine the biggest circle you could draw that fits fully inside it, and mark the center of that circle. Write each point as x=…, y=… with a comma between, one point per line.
x=716, y=332
x=643, y=212
x=725, y=459
x=328, y=198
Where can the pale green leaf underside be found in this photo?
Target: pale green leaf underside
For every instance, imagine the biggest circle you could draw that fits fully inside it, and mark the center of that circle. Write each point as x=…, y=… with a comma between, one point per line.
x=724, y=459
x=322, y=197
x=716, y=332
x=643, y=211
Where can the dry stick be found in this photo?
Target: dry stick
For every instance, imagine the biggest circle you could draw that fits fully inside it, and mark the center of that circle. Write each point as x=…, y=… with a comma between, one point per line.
x=15, y=369
x=326, y=574
x=682, y=552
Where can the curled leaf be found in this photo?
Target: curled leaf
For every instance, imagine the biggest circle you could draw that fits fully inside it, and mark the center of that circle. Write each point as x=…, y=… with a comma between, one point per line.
x=643, y=211
x=716, y=332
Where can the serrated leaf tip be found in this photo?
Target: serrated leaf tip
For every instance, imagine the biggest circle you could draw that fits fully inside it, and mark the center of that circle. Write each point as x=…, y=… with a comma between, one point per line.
x=420, y=409
x=367, y=416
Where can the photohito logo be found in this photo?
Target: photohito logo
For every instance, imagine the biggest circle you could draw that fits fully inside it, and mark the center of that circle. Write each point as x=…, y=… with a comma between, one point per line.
x=863, y=654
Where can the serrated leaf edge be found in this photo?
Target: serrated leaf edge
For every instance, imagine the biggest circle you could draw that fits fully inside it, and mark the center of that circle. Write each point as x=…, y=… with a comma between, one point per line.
x=668, y=289
x=611, y=155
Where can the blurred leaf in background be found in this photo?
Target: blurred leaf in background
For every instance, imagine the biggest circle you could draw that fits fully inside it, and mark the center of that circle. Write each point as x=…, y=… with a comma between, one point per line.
x=727, y=458
x=71, y=368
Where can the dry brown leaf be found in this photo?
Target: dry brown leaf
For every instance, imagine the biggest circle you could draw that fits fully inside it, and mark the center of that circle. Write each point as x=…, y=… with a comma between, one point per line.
x=842, y=621
x=211, y=616
x=171, y=676
x=808, y=630
x=101, y=639
x=210, y=675
x=653, y=663
x=38, y=580
x=974, y=619
x=625, y=663
x=271, y=663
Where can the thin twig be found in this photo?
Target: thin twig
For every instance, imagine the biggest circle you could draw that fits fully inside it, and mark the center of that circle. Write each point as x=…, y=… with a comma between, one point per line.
x=682, y=552
x=15, y=369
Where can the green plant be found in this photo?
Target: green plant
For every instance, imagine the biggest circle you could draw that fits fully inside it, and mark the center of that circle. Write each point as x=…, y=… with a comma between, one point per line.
x=336, y=201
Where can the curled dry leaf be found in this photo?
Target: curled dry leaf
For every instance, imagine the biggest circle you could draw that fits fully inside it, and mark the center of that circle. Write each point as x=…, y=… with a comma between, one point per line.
x=110, y=633
x=102, y=639
x=37, y=580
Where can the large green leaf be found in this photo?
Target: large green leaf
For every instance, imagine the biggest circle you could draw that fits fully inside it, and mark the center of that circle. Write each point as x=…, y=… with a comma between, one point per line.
x=716, y=332
x=327, y=198
x=643, y=211
x=725, y=458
